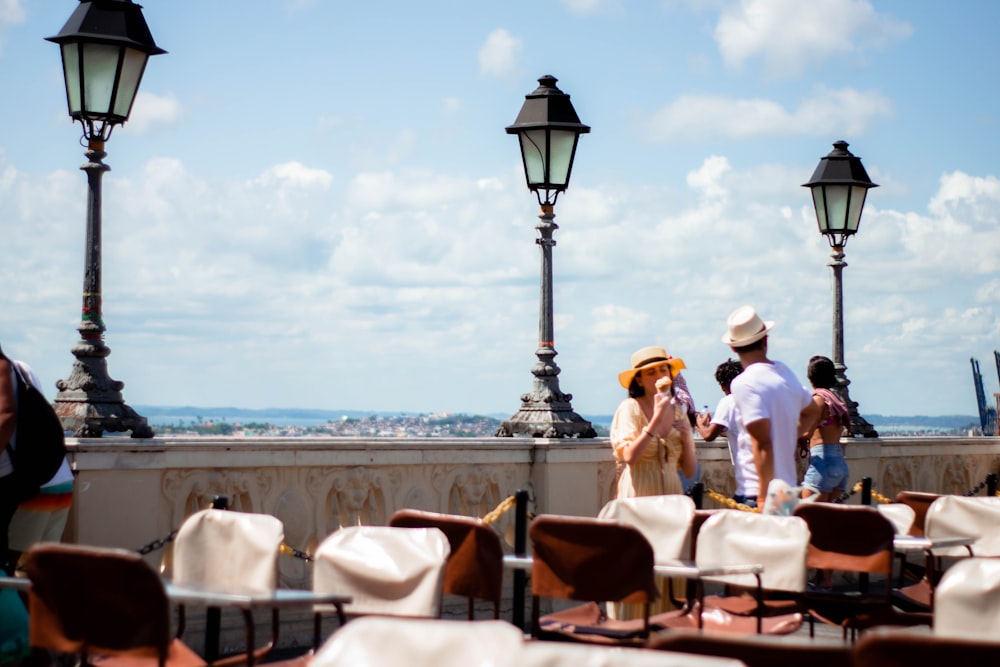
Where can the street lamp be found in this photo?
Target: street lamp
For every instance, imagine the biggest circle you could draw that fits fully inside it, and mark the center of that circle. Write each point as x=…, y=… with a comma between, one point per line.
x=548, y=129
x=105, y=45
x=839, y=187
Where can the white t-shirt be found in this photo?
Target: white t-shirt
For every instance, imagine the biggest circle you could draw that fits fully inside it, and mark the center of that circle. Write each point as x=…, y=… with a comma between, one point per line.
x=740, y=449
x=771, y=391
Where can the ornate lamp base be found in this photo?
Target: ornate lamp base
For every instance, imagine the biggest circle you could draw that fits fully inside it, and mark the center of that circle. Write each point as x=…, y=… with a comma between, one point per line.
x=89, y=402
x=545, y=411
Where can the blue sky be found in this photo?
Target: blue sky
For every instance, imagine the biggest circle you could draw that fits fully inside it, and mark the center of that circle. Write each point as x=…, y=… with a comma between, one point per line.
x=314, y=203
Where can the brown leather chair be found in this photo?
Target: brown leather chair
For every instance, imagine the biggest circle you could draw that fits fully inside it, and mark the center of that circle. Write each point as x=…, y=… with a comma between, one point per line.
x=884, y=648
x=591, y=561
x=475, y=564
x=106, y=606
x=754, y=650
x=916, y=595
x=859, y=540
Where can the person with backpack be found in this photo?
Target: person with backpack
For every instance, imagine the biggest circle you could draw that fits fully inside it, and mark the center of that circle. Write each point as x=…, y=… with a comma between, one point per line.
x=42, y=517
x=8, y=423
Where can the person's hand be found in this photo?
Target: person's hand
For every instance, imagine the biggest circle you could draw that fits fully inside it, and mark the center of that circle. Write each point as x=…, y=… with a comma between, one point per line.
x=662, y=420
x=704, y=419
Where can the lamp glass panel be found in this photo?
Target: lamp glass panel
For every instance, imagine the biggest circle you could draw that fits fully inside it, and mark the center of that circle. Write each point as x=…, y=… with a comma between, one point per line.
x=533, y=151
x=561, y=156
x=100, y=67
x=836, y=207
x=858, y=194
x=819, y=201
x=71, y=72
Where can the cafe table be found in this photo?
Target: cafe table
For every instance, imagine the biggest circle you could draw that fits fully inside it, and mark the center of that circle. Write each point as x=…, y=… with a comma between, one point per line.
x=679, y=569
x=246, y=602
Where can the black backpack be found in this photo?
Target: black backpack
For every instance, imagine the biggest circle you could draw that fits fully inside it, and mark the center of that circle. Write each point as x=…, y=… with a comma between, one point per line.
x=41, y=444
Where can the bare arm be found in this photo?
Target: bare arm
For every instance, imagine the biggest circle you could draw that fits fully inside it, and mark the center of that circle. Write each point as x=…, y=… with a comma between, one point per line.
x=8, y=409
x=763, y=451
x=688, y=463
x=811, y=416
x=707, y=429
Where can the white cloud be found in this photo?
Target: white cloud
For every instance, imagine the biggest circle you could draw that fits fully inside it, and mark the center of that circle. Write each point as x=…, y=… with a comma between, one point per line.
x=588, y=6
x=499, y=55
x=707, y=178
x=11, y=13
x=297, y=175
x=151, y=110
x=826, y=112
x=790, y=35
x=612, y=322
x=299, y=277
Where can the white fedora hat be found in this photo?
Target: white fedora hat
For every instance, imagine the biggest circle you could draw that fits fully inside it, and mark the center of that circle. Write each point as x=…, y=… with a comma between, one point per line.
x=745, y=327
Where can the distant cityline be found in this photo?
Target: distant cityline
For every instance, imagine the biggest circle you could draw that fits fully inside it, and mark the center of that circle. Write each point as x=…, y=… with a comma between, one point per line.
x=171, y=415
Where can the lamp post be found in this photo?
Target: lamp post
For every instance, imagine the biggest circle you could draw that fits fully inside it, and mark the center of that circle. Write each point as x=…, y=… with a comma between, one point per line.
x=105, y=45
x=839, y=187
x=548, y=129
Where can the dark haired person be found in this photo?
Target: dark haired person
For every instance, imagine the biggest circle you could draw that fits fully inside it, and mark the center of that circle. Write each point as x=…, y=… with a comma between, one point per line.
x=652, y=439
x=769, y=396
x=828, y=473
x=8, y=423
x=727, y=419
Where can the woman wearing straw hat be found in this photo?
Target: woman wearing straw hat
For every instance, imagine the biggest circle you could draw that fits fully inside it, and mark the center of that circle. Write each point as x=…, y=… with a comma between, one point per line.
x=652, y=439
x=650, y=433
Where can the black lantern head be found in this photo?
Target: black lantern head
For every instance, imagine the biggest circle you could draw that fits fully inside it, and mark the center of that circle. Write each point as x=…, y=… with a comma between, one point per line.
x=105, y=45
x=548, y=129
x=839, y=187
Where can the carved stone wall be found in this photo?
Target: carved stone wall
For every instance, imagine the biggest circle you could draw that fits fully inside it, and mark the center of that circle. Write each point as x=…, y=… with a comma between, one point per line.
x=131, y=492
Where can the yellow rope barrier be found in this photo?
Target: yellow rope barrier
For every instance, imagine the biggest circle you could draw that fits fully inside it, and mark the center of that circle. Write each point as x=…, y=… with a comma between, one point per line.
x=884, y=500
x=729, y=502
x=498, y=511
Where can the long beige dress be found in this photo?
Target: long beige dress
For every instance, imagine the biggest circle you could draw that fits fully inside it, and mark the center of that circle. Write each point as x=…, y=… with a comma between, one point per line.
x=654, y=474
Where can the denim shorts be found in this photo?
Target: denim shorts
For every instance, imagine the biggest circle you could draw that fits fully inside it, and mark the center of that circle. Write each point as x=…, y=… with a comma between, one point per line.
x=827, y=469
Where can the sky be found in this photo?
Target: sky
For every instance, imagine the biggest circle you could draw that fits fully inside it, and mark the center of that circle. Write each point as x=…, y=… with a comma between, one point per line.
x=314, y=203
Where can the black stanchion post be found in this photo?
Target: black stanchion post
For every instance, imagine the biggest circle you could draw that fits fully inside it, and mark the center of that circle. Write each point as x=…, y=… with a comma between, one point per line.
x=991, y=484
x=213, y=615
x=520, y=549
x=866, y=490
x=698, y=495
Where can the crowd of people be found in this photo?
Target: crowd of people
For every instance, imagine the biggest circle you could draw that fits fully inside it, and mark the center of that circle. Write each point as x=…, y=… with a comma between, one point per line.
x=767, y=415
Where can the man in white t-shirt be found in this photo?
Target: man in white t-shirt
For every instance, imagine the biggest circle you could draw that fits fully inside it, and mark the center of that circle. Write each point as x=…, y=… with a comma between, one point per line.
x=727, y=419
x=769, y=397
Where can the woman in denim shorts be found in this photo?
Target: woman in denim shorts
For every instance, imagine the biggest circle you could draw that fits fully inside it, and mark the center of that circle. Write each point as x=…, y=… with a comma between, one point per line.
x=827, y=474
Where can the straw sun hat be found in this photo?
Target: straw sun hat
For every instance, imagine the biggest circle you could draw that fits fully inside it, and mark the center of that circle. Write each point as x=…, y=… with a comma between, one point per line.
x=745, y=327
x=650, y=356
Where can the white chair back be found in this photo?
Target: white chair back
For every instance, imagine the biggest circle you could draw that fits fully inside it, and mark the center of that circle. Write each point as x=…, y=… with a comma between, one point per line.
x=958, y=516
x=378, y=640
x=228, y=550
x=665, y=521
x=779, y=543
x=967, y=599
x=562, y=654
x=386, y=570
x=901, y=516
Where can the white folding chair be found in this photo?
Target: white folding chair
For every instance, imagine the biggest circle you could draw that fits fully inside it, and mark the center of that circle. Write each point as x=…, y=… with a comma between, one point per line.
x=959, y=516
x=558, y=654
x=901, y=516
x=780, y=544
x=967, y=600
x=387, y=570
x=417, y=642
x=228, y=551
x=665, y=521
